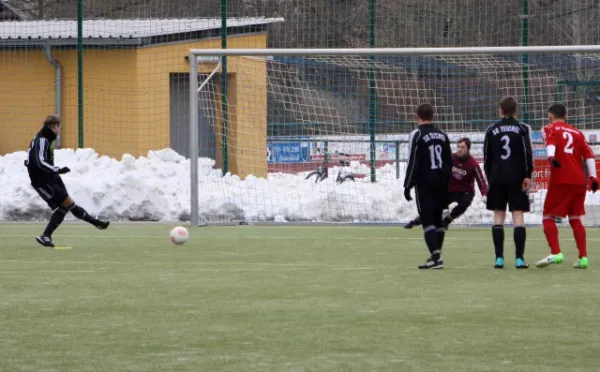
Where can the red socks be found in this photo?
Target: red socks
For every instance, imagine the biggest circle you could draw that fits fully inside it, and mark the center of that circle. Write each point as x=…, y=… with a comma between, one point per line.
x=551, y=232
x=579, y=234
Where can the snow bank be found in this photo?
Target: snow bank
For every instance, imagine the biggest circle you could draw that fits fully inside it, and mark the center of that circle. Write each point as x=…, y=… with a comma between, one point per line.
x=156, y=187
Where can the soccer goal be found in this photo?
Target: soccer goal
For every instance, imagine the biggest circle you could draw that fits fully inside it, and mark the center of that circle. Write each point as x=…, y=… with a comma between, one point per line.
x=320, y=135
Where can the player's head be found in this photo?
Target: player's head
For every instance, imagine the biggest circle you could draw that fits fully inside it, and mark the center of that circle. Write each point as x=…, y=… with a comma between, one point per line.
x=508, y=106
x=557, y=112
x=463, y=146
x=52, y=122
x=424, y=113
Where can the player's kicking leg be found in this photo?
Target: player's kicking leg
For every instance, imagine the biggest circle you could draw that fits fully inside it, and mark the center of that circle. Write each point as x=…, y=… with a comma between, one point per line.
x=68, y=205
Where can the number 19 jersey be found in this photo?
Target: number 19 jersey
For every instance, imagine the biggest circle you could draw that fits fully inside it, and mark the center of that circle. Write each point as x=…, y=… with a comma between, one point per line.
x=507, y=152
x=571, y=152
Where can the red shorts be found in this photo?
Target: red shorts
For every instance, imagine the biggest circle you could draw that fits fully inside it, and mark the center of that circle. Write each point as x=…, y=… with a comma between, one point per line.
x=565, y=200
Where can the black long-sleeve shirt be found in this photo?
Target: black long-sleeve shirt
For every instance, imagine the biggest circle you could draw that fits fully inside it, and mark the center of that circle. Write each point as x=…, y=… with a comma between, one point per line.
x=430, y=158
x=40, y=158
x=507, y=152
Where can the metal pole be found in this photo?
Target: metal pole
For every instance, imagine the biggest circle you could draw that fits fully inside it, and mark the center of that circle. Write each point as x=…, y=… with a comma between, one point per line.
x=372, y=91
x=224, y=106
x=525, y=58
x=58, y=95
x=80, y=72
x=397, y=159
x=398, y=51
x=194, y=218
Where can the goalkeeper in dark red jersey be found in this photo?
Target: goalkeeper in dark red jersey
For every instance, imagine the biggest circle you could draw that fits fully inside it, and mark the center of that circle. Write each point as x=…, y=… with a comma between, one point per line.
x=567, y=151
x=465, y=171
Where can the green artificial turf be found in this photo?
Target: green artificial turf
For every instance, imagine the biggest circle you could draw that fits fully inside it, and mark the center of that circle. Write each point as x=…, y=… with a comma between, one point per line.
x=290, y=299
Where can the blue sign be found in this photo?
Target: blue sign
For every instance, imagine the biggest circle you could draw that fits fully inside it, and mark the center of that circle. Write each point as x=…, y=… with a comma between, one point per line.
x=287, y=152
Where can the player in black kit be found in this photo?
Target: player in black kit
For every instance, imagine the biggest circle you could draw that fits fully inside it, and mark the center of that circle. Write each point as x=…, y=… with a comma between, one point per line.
x=428, y=171
x=45, y=179
x=508, y=165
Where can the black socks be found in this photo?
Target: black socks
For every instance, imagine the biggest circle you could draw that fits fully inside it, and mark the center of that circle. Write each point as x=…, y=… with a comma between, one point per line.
x=520, y=235
x=498, y=237
x=83, y=215
x=57, y=218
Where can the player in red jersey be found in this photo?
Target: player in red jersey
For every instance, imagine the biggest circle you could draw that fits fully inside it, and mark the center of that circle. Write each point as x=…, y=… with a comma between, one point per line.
x=567, y=151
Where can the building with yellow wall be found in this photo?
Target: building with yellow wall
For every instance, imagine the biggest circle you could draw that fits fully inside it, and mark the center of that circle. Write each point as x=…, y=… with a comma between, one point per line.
x=135, y=87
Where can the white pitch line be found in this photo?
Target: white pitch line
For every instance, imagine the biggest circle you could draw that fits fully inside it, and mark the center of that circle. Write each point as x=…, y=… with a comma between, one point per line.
x=268, y=266
x=306, y=238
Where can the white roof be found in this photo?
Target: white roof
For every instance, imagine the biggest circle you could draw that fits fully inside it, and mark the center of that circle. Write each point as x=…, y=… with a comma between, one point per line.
x=119, y=29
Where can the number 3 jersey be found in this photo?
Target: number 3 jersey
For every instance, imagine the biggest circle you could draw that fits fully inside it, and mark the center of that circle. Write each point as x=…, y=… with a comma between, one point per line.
x=507, y=152
x=570, y=149
x=430, y=158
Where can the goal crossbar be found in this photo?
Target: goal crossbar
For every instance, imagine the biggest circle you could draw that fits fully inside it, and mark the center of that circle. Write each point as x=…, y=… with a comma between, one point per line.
x=398, y=51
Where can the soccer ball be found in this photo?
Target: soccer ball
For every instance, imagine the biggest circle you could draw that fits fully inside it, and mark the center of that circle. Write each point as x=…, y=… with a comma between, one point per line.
x=179, y=235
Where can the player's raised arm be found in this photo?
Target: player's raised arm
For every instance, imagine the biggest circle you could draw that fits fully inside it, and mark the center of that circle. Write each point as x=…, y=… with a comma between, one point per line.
x=413, y=153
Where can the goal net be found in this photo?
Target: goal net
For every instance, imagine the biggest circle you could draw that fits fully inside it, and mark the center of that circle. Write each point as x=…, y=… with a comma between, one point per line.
x=312, y=136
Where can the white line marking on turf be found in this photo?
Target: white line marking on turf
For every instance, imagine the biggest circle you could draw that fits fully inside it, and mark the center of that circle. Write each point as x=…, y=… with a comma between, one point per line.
x=282, y=265
x=307, y=238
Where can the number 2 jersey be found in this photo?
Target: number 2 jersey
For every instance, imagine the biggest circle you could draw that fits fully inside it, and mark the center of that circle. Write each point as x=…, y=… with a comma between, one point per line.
x=568, y=145
x=430, y=158
x=507, y=152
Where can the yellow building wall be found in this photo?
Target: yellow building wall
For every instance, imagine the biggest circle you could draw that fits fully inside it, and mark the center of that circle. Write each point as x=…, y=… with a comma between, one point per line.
x=247, y=119
x=127, y=100
x=110, y=96
x=26, y=97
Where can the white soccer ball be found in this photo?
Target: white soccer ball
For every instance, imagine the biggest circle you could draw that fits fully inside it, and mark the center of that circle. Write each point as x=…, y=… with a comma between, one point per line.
x=179, y=235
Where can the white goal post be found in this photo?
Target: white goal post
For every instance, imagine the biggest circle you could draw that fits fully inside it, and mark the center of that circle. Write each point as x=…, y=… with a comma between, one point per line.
x=197, y=56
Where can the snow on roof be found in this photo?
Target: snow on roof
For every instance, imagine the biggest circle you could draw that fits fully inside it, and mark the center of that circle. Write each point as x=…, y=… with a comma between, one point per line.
x=119, y=29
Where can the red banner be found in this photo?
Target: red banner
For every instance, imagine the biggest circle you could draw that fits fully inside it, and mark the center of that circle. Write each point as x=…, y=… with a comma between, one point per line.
x=542, y=173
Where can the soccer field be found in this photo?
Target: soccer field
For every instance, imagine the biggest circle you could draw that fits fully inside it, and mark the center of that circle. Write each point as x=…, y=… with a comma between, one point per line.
x=290, y=299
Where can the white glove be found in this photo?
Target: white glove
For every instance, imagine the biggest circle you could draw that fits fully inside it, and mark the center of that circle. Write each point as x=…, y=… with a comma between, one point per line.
x=484, y=199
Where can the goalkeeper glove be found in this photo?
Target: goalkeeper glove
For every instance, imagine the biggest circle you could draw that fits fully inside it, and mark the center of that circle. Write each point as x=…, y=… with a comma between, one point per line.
x=64, y=170
x=593, y=184
x=555, y=163
x=407, y=194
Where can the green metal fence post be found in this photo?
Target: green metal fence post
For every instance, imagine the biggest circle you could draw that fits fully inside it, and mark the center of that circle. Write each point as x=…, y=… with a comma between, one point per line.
x=372, y=89
x=397, y=159
x=224, y=105
x=80, y=72
x=525, y=58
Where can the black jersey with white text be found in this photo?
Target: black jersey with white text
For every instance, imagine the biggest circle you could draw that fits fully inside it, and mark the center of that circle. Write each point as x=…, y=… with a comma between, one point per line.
x=507, y=152
x=430, y=157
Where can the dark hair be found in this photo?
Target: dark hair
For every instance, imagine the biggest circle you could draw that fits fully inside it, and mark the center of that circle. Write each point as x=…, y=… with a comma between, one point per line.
x=466, y=141
x=425, y=111
x=558, y=110
x=51, y=120
x=508, y=106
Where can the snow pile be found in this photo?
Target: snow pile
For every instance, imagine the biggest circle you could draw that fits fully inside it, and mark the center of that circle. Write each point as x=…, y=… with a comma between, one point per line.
x=157, y=187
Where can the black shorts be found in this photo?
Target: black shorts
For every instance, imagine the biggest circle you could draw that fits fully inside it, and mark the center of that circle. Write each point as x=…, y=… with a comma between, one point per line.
x=53, y=193
x=431, y=202
x=499, y=196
